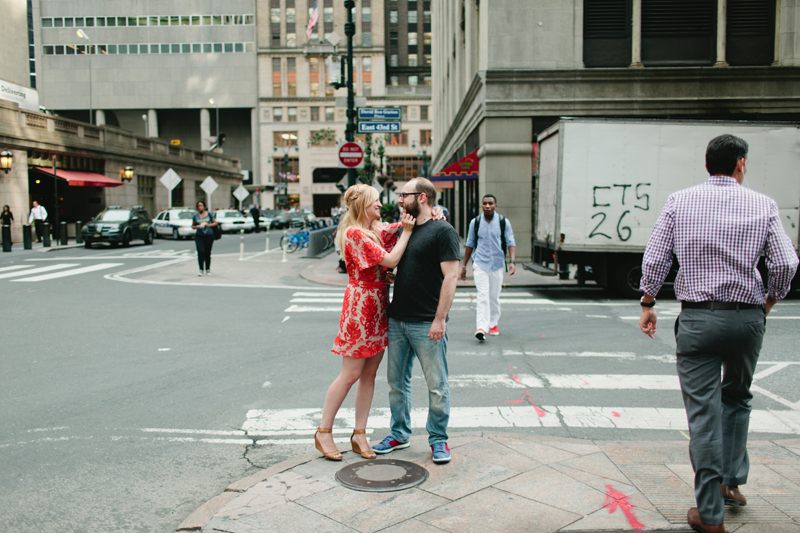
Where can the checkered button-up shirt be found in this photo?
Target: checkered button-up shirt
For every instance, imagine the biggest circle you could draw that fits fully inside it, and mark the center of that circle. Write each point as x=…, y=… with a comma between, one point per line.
x=718, y=230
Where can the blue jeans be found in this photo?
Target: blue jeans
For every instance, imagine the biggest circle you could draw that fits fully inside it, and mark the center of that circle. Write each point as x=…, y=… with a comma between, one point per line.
x=406, y=340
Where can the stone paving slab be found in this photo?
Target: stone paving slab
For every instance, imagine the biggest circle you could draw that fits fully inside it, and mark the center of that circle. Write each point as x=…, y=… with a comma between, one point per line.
x=508, y=483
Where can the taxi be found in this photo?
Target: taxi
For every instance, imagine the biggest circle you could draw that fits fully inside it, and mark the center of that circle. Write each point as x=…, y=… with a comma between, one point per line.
x=175, y=223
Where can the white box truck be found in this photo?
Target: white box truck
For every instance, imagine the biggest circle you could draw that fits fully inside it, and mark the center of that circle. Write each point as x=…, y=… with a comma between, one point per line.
x=601, y=185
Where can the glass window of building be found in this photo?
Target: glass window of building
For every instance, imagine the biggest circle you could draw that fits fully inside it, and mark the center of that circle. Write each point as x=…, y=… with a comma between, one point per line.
x=186, y=20
x=393, y=16
x=394, y=39
x=394, y=81
x=216, y=20
x=423, y=112
x=206, y=20
x=327, y=14
x=217, y=48
x=426, y=17
x=313, y=68
x=412, y=38
x=277, y=114
x=291, y=15
x=284, y=139
x=330, y=114
x=393, y=60
x=426, y=38
x=404, y=112
x=314, y=114
x=275, y=15
x=195, y=20
x=366, y=39
x=367, y=88
x=366, y=64
x=412, y=60
x=291, y=40
x=425, y=137
x=292, y=114
x=412, y=17
x=291, y=77
x=427, y=59
x=276, y=76
x=412, y=80
x=366, y=14
x=397, y=139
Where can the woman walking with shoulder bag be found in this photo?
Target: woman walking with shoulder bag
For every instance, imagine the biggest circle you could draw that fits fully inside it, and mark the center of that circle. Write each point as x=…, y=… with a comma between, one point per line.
x=204, y=223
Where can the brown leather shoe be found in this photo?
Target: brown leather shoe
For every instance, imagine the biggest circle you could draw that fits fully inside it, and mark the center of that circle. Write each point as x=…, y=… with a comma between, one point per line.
x=733, y=497
x=696, y=523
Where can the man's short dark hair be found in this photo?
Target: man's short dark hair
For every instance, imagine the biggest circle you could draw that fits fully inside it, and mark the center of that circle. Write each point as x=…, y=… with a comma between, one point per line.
x=723, y=153
x=425, y=185
x=492, y=196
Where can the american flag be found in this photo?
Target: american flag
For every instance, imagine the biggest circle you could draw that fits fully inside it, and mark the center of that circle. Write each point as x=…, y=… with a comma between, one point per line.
x=313, y=17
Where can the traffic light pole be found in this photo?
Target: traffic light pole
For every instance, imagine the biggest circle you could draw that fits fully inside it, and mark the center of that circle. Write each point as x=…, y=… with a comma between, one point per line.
x=350, y=31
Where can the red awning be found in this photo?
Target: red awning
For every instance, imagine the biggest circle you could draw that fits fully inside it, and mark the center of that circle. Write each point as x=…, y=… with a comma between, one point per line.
x=463, y=169
x=77, y=178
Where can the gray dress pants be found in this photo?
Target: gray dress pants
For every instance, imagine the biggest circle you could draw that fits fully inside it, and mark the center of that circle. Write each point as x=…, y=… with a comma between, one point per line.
x=718, y=411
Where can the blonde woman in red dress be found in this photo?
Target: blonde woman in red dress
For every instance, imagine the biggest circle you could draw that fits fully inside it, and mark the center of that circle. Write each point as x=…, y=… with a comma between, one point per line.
x=369, y=248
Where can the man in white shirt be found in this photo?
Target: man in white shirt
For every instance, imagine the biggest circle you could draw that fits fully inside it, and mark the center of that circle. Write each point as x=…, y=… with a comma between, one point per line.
x=37, y=217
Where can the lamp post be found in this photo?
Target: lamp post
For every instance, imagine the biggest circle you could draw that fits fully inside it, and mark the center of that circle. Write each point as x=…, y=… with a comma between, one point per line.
x=214, y=103
x=146, y=126
x=83, y=35
x=283, y=165
x=350, y=131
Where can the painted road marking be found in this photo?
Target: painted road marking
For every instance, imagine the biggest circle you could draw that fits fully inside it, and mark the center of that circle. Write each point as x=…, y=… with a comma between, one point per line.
x=569, y=381
x=73, y=272
x=38, y=270
x=267, y=422
x=517, y=301
x=15, y=267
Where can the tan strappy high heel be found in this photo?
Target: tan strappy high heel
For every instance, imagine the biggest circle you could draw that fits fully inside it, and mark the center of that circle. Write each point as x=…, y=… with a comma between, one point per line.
x=335, y=456
x=366, y=454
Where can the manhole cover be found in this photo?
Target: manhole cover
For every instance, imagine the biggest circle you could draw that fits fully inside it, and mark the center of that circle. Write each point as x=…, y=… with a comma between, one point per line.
x=381, y=475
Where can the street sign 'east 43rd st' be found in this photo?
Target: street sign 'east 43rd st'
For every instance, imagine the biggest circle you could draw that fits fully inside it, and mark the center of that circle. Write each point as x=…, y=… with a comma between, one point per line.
x=378, y=127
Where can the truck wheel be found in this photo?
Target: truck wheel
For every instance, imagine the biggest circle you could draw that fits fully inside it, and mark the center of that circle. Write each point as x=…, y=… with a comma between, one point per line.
x=625, y=277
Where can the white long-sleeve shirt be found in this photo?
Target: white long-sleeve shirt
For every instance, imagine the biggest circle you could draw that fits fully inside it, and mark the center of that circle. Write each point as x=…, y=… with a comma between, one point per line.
x=37, y=213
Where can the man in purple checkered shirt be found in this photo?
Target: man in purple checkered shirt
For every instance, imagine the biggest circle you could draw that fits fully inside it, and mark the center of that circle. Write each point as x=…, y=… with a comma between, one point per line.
x=718, y=231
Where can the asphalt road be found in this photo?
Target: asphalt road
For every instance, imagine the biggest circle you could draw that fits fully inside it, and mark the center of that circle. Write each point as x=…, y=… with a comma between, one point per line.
x=126, y=406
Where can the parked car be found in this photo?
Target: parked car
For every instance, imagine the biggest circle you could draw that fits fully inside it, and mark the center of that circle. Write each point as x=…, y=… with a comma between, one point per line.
x=301, y=218
x=231, y=220
x=175, y=222
x=274, y=218
x=119, y=225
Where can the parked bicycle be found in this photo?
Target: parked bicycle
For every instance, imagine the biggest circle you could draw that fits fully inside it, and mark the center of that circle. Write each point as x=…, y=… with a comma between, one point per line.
x=295, y=241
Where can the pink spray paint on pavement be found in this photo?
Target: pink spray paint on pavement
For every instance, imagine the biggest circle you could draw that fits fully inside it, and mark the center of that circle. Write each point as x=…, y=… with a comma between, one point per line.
x=616, y=499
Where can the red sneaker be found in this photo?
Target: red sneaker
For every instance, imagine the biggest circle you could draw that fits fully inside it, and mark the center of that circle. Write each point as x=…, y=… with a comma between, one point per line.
x=494, y=331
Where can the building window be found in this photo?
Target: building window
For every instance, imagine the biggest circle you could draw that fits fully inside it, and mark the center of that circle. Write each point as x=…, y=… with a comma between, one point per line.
x=275, y=15
x=330, y=114
x=284, y=139
x=276, y=76
x=412, y=60
x=327, y=14
x=291, y=40
x=366, y=39
x=412, y=80
x=404, y=112
x=322, y=138
x=425, y=137
x=606, y=33
x=393, y=18
x=423, y=112
x=366, y=64
x=314, y=114
x=292, y=115
x=313, y=67
x=426, y=17
x=412, y=38
x=394, y=81
x=393, y=60
x=277, y=114
x=679, y=32
x=427, y=59
x=750, y=32
x=291, y=15
x=397, y=139
x=291, y=77
x=412, y=17
x=366, y=14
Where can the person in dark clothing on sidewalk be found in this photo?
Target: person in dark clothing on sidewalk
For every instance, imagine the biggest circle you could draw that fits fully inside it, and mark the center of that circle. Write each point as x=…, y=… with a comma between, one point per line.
x=718, y=230
x=256, y=214
x=204, y=223
x=7, y=217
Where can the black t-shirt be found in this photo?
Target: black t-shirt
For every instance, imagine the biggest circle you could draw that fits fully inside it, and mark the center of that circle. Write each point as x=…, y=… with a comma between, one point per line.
x=419, y=274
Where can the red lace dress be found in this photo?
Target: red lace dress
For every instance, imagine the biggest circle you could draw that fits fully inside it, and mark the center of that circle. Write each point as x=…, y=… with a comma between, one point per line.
x=364, y=324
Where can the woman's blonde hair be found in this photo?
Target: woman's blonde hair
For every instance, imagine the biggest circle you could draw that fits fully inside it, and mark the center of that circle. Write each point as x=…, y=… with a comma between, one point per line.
x=357, y=199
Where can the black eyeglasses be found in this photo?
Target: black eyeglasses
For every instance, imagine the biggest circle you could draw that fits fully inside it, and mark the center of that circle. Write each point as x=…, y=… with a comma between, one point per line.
x=404, y=194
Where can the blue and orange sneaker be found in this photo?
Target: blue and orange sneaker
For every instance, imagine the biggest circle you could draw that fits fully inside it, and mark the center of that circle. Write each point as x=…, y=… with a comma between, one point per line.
x=389, y=445
x=441, y=452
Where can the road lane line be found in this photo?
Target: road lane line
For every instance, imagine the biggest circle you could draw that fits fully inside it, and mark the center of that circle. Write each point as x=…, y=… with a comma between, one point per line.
x=73, y=272
x=38, y=270
x=15, y=267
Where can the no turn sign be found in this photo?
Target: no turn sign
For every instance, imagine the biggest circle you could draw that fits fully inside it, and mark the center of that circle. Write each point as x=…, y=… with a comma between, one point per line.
x=351, y=155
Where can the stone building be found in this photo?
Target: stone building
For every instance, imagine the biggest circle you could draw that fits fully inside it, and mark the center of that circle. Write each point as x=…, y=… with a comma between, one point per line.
x=302, y=117
x=505, y=70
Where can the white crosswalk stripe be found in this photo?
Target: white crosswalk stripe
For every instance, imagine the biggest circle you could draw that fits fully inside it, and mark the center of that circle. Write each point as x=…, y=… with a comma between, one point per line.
x=73, y=272
x=39, y=270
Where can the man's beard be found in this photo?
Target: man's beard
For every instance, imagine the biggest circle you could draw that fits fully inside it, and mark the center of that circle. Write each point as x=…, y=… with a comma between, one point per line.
x=412, y=208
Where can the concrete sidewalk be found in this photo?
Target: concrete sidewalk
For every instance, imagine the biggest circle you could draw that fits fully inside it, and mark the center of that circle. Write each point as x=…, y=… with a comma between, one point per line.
x=502, y=482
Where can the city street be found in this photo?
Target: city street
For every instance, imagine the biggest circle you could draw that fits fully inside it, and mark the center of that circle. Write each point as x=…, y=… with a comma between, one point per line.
x=131, y=396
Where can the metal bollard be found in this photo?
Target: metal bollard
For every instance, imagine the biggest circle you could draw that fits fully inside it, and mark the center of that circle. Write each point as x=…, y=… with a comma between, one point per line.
x=62, y=233
x=241, y=244
x=6, y=238
x=266, y=249
x=46, y=236
x=27, y=238
x=78, y=228
x=285, y=246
